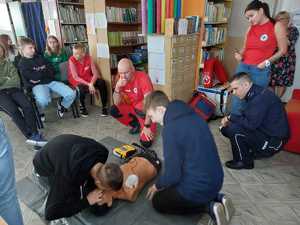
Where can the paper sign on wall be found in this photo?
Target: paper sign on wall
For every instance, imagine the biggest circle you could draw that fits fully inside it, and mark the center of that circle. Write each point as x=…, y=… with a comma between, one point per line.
x=102, y=51
x=157, y=76
x=100, y=20
x=90, y=23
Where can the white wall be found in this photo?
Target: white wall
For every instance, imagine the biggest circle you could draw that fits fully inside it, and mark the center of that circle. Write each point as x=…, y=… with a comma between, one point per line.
x=5, y=25
x=238, y=23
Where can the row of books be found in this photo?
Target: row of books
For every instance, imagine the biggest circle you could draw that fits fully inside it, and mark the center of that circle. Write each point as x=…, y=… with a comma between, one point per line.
x=212, y=53
x=122, y=15
x=74, y=33
x=69, y=51
x=71, y=14
x=73, y=1
x=182, y=26
x=217, y=12
x=126, y=38
x=214, y=35
x=138, y=56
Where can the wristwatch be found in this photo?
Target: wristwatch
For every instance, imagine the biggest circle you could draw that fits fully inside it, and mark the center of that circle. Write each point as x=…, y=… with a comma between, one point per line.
x=268, y=63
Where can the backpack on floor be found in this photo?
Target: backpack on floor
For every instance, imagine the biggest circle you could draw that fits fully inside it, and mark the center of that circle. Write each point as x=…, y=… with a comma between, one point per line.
x=202, y=105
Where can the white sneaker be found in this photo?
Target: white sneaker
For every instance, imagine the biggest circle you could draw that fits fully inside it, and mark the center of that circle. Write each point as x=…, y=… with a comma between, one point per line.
x=228, y=207
x=219, y=214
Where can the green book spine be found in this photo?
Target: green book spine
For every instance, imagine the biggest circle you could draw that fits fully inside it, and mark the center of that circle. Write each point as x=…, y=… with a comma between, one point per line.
x=150, y=16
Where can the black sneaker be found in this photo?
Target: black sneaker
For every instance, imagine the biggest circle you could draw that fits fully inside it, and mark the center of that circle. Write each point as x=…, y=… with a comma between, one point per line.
x=84, y=112
x=42, y=116
x=104, y=112
x=60, y=109
x=135, y=130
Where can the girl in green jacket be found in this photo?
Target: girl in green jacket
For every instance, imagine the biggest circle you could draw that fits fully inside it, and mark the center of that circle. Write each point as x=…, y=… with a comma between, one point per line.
x=57, y=57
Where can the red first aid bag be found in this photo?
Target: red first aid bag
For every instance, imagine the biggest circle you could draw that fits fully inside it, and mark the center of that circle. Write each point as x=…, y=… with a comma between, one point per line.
x=202, y=105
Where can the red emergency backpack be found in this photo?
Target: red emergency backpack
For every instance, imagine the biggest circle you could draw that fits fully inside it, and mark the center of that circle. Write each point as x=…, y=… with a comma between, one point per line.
x=202, y=105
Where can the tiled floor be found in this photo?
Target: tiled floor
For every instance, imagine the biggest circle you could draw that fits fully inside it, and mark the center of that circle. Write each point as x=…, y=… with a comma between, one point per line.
x=266, y=195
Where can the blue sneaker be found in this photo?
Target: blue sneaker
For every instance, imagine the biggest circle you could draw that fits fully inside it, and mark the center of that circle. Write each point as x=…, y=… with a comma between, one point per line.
x=217, y=213
x=36, y=139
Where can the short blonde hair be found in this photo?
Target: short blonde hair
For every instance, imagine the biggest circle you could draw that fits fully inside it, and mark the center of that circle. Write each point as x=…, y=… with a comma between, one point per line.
x=26, y=41
x=282, y=15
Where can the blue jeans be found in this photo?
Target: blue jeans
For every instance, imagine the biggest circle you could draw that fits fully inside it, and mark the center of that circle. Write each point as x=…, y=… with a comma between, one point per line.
x=9, y=205
x=42, y=94
x=258, y=76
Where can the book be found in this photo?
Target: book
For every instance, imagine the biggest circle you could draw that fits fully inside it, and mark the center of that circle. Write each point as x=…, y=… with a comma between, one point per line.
x=169, y=26
x=182, y=26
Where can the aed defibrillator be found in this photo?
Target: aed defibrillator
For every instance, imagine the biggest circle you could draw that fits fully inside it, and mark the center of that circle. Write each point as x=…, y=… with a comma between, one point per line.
x=124, y=151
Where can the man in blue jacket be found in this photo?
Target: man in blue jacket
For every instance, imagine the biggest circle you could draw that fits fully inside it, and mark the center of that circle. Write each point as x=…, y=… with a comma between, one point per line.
x=262, y=127
x=193, y=174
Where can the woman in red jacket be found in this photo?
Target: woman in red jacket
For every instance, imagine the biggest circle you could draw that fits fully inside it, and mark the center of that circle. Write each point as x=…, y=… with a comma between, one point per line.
x=265, y=42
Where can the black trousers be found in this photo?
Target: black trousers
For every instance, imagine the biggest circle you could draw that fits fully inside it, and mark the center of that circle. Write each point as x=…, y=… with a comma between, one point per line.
x=247, y=145
x=171, y=202
x=47, y=182
x=14, y=102
x=99, y=85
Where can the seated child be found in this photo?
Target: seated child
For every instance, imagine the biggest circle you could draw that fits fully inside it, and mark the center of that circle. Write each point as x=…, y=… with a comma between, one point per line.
x=56, y=55
x=83, y=74
x=14, y=102
x=39, y=75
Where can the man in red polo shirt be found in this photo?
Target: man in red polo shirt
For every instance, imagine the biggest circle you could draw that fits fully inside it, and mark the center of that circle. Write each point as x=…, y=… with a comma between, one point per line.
x=128, y=96
x=83, y=74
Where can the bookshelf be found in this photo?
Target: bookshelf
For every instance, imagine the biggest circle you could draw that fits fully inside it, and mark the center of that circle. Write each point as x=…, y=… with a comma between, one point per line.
x=215, y=16
x=120, y=36
x=66, y=20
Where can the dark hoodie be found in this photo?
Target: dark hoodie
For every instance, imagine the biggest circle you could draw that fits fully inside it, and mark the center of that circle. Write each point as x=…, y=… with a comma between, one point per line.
x=263, y=111
x=192, y=164
x=67, y=160
x=36, y=69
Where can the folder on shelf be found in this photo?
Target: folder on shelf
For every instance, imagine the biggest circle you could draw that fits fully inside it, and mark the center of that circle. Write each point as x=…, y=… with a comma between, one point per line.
x=158, y=16
x=169, y=26
x=163, y=15
x=182, y=26
x=150, y=16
